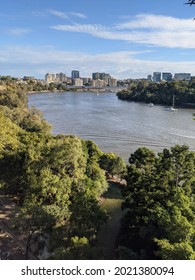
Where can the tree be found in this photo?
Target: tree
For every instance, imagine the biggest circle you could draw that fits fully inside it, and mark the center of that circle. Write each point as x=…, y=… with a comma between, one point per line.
x=159, y=201
x=113, y=164
x=8, y=134
x=87, y=216
x=57, y=179
x=34, y=222
x=137, y=227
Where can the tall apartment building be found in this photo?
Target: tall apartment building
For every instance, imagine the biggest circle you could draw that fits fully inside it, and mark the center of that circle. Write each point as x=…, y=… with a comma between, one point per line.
x=101, y=76
x=167, y=77
x=156, y=77
x=61, y=77
x=99, y=83
x=182, y=76
x=112, y=82
x=78, y=82
x=96, y=76
x=74, y=74
x=87, y=81
x=149, y=77
x=49, y=78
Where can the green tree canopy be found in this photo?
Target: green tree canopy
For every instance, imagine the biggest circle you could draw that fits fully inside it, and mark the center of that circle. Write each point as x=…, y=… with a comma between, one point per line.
x=160, y=217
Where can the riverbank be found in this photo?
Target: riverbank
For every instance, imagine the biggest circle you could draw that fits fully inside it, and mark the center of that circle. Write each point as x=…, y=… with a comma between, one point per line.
x=178, y=106
x=179, y=93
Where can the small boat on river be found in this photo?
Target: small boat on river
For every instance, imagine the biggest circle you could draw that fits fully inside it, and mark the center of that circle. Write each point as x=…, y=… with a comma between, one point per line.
x=172, y=108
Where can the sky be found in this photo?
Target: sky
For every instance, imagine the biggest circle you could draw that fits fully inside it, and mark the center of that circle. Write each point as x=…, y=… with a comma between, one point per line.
x=125, y=38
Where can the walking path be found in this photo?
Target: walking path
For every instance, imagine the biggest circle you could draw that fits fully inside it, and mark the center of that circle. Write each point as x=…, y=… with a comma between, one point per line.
x=12, y=243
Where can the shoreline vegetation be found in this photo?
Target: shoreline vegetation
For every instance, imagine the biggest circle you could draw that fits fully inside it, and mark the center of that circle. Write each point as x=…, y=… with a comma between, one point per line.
x=61, y=197
x=161, y=93
x=56, y=182
x=74, y=89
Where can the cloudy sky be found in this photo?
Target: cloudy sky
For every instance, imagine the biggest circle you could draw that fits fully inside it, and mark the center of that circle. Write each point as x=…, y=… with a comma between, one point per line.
x=126, y=38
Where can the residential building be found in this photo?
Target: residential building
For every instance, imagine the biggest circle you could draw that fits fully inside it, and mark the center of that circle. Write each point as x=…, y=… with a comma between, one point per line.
x=101, y=76
x=87, y=81
x=182, y=76
x=112, y=82
x=74, y=74
x=99, y=83
x=78, y=82
x=149, y=77
x=167, y=77
x=60, y=78
x=49, y=78
x=96, y=76
x=156, y=77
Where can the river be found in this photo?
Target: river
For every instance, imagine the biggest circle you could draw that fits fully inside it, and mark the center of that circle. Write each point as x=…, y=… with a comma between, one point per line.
x=115, y=125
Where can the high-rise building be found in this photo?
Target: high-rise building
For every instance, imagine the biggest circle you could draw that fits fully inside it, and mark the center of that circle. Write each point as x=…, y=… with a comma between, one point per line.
x=78, y=82
x=156, y=77
x=182, y=76
x=49, y=78
x=60, y=77
x=96, y=76
x=112, y=82
x=74, y=74
x=167, y=77
x=99, y=83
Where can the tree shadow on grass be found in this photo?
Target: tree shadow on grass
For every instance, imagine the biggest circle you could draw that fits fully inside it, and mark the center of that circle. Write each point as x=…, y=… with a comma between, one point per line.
x=114, y=190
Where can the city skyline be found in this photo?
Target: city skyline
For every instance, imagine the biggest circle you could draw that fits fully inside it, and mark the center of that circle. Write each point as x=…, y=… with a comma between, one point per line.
x=101, y=75
x=127, y=39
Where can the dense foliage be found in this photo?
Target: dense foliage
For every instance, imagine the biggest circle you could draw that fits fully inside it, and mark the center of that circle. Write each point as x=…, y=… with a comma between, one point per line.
x=160, y=93
x=57, y=180
x=159, y=197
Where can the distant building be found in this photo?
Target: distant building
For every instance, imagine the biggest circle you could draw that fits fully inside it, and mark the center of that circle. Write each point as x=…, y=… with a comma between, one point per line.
x=101, y=76
x=87, y=81
x=99, y=83
x=49, y=78
x=192, y=79
x=167, y=77
x=112, y=82
x=78, y=82
x=156, y=77
x=182, y=76
x=74, y=74
x=96, y=76
x=60, y=78
x=29, y=78
x=149, y=77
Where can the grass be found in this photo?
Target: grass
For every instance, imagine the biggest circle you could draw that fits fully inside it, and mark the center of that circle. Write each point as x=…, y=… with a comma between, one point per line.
x=108, y=233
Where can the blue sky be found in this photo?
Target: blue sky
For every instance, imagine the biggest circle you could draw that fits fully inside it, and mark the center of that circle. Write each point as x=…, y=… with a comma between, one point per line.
x=126, y=38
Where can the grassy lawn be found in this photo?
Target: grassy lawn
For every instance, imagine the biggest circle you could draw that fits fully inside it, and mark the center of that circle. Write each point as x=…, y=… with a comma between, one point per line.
x=108, y=233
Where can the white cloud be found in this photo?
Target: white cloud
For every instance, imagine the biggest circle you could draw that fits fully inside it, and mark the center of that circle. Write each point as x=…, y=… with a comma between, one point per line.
x=66, y=15
x=123, y=64
x=79, y=15
x=157, y=22
x=19, y=31
x=58, y=14
x=156, y=30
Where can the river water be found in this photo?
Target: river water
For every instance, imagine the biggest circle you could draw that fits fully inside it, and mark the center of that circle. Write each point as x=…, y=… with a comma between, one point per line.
x=115, y=125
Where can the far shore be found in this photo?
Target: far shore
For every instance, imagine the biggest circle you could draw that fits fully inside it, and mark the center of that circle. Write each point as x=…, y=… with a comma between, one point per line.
x=72, y=89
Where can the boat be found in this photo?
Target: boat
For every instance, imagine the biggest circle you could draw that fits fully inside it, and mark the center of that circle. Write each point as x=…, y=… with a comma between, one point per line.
x=172, y=109
x=150, y=105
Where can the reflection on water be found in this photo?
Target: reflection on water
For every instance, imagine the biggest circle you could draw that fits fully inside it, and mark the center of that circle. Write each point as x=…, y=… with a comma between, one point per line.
x=115, y=125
